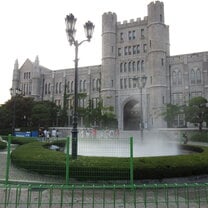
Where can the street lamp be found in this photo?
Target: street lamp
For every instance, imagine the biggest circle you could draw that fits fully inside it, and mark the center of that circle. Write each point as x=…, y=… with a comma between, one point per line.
x=14, y=93
x=70, y=21
x=140, y=82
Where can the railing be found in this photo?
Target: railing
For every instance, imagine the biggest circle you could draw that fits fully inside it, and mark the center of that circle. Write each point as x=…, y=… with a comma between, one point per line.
x=142, y=196
x=31, y=191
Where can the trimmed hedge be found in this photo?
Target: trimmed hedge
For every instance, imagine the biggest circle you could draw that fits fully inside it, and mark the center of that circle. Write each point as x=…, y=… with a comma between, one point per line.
x=3, y=145
x=35, y=157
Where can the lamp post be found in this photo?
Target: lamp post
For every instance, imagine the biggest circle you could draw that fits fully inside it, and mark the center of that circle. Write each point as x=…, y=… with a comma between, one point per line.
x=14, y=93
x=70, y=21
x=140, y=82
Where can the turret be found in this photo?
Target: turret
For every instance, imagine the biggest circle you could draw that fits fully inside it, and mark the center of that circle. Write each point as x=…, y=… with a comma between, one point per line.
x=36, y=79
x=16, y=76
x=158, y=50
x=109, y=21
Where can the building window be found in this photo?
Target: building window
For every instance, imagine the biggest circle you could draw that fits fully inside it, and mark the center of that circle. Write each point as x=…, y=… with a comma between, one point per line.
x=142, y=66
x=121, y=83
x=174, y=78
x=121, y=36
x=72, y=86
x=80, y=85
x=46, y=89
x=129, y=50
x=93, y=85
x=162, y=61
x=138, y=65
x=121, y=67
x=57, y=88
x=68, y=87
x=192, y=77
x=134, y=66
x=179, y=78
x=125, y=83
x=138, y=49
x=84, y=86
x=134, y=49
x=145, y=48
x=198, y=76
x=129, y=66
x=125, y=67
x=133, y=34
x=129, y=35
x=161, y=18
x=126, y=50
x=60, y=87
x=130, y=82
x=142, y=33
x=49, y=88
x=119, y=51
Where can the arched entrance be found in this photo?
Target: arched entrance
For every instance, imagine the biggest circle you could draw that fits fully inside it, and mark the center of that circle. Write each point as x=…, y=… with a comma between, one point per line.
x=131, y=115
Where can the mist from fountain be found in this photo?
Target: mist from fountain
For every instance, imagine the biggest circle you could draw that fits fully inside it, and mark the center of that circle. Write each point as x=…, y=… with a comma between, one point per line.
x=154, y=143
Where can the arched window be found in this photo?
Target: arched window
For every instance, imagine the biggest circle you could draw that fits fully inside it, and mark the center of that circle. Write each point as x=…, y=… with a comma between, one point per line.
x=97, y=84
x=138, y=65
x=56, y=87
x=179, y=78
x=80, y=85
x=93, y=84
x=142, y=66
x=192, y=77
x=174, y=78
x=198, y=76
x=68, y=86
x=59, y=87
x=72, y=86
x=125, y=67
x=129, y=66
x=134, y=66
x=121, y=67
x=46, y=89
x=84, y=85
x=49, y=88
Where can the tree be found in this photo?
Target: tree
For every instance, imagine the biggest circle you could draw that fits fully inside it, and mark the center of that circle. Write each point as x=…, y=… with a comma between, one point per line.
x=44, y=114
x=197, y=111
x=170, y=113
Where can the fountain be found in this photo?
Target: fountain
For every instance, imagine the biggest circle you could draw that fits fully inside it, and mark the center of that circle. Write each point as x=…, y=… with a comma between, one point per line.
x=154, y=143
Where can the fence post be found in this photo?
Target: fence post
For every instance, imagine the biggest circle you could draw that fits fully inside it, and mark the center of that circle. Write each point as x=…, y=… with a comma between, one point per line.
x=131, y=163
x=8, y=159
x=67, y=160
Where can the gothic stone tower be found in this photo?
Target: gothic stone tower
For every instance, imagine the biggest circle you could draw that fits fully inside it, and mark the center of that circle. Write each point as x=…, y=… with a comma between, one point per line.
x=108, y=68
x=158, y=50
x=132, y=49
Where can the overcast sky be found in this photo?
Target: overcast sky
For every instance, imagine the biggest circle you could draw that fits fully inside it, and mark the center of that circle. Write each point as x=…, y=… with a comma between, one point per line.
x=37, y=27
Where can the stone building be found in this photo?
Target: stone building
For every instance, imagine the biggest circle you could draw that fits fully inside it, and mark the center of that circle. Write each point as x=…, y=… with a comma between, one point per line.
x=130, y=50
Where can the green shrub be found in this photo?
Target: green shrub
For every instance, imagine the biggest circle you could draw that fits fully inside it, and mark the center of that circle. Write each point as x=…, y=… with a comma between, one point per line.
x=200, y=136
x=3, y=145
x=20, y=140
x=35, y=157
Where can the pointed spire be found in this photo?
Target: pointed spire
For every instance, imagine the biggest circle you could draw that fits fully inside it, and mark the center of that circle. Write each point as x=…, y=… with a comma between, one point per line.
x=16, y=65
x=37, y=61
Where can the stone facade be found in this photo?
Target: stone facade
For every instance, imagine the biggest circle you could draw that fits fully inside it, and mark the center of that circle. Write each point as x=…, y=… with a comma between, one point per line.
x=129, y=49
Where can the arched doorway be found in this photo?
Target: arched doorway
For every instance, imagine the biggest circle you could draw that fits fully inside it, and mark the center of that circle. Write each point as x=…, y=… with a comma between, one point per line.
x=131, y=115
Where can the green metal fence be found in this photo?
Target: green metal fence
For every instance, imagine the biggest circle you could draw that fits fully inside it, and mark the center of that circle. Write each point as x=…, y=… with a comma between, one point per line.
x=28, y=191
x=142, y=196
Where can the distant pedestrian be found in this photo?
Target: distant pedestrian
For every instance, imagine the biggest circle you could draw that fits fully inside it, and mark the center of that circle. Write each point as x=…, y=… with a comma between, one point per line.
x=185, y=138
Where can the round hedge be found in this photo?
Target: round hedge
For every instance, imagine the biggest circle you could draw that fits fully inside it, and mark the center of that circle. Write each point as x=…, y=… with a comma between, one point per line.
x=37, y=157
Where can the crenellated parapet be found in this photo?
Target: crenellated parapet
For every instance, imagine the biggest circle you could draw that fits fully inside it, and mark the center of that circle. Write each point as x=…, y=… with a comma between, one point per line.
x=133, y=23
